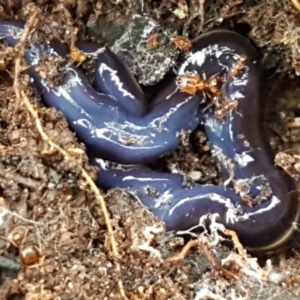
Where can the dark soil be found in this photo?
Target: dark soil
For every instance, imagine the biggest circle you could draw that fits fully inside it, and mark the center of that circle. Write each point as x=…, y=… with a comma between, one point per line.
x=54, y=239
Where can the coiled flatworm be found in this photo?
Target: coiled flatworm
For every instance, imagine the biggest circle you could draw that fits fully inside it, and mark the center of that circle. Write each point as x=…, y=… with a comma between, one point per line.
x=258, y=201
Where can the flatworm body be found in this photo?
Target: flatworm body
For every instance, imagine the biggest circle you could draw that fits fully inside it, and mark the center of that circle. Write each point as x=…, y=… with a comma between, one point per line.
x=240, y=147
x=259, y=201
x=98, y=120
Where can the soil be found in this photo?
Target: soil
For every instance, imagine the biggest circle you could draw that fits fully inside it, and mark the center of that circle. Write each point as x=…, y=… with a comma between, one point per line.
x=56, y=242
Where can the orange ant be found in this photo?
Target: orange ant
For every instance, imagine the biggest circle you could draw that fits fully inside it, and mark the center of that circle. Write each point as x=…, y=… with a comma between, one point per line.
x=182, y=43
x=152, y=41
x=77, y=56
x=227, y=106
x=238, y=66
x=192, y=83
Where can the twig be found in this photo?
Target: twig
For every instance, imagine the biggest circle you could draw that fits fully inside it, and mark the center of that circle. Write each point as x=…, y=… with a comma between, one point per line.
x=236, y=242
x=21, y=96
x=296, y=4
x=29, y=27
x=216, y=264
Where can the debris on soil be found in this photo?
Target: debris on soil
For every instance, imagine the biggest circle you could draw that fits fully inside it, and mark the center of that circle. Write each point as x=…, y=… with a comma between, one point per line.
x=60, y=237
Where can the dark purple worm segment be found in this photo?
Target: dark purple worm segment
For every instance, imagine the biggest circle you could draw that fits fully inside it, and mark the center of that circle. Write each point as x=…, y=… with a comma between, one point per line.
x=110, y=72
x=181, y=207
x=238, y=142
x=112, y=129
x=98, y=119
x=110, y=69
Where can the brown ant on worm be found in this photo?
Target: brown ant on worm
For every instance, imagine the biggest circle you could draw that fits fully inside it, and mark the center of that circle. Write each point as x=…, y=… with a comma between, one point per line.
x=212, y=87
